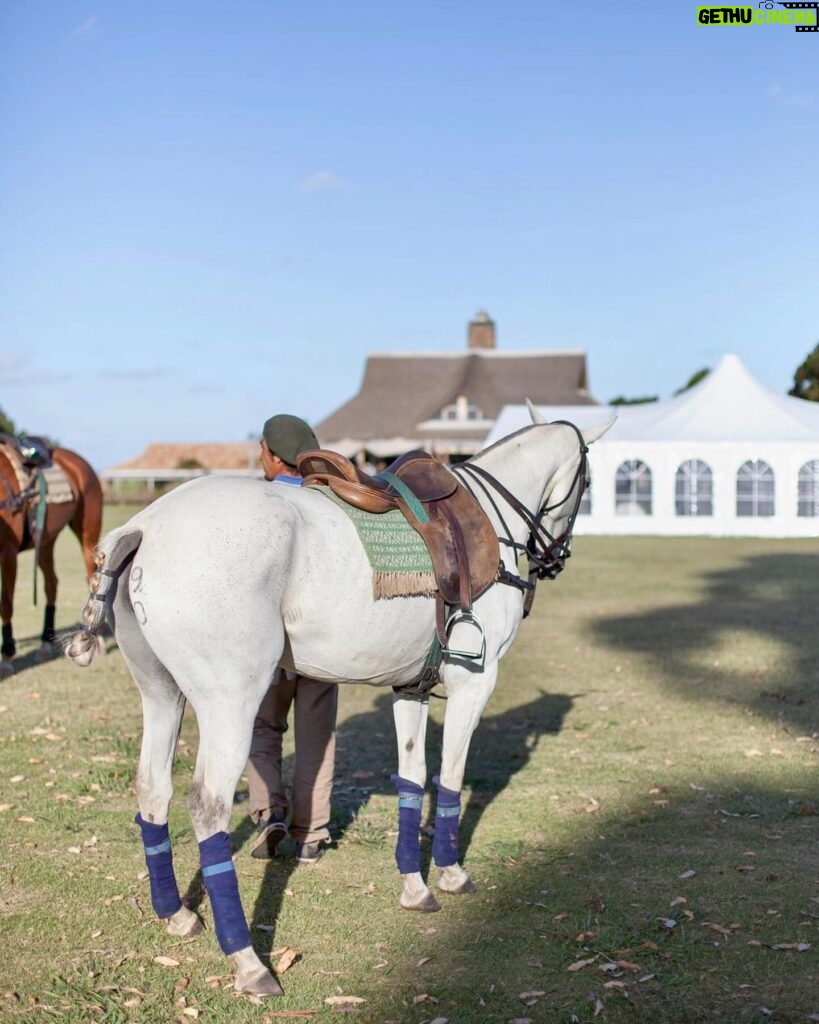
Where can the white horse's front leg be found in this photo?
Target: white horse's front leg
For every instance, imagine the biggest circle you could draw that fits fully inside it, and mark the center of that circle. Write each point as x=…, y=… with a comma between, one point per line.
x=467, y=695
x=410, y=732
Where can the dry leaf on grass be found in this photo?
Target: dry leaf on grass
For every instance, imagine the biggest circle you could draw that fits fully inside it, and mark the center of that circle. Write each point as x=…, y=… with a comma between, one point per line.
x=344, y=1001
x=578, y=965
x=688, y=874
x=166, y=961
x=133, y=903
x=423, y=960
x=191, y=1011
x=181, y=984
x=286, y=960
x=797, y=947
x=424, y=998
x=719, y=929
x=279, y=1014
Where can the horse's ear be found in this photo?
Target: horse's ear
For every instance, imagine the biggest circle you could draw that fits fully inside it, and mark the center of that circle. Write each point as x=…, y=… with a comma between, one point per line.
x=536, y=414
x=592, y=434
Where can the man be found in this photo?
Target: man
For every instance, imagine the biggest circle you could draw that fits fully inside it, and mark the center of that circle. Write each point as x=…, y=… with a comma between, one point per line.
x=315, y=705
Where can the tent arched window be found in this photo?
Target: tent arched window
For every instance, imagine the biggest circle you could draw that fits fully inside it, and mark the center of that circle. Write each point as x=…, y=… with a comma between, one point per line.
x=694, y=489
x=755, y=489
x=808, y=489
x=632, y=489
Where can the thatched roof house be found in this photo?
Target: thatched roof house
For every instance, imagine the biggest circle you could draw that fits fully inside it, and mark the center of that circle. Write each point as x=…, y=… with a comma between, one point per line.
x=447, y=402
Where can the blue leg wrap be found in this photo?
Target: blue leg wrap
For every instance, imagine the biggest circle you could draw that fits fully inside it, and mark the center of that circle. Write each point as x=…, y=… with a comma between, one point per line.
x=446, y=844
x=222, y=885
x=407, y=848
x=159, y=861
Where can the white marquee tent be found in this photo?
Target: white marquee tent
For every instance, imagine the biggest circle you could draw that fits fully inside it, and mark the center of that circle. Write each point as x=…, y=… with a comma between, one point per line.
x=728, y=457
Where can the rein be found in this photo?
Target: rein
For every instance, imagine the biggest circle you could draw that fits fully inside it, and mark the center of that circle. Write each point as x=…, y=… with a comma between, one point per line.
x=545, y=553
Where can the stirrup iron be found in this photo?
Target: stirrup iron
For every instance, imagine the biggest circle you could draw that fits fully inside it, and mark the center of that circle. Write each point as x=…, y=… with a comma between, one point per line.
x=471, y=619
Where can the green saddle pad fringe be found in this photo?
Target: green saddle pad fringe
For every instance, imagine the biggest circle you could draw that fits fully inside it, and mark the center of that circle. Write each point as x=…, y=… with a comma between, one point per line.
x=398, y=556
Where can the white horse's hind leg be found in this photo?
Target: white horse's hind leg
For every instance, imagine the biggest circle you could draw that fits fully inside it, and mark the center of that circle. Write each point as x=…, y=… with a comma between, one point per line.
x=224, y=743
x=467, y=694
x=162, y=719
x=410, y=732
x=162, y=707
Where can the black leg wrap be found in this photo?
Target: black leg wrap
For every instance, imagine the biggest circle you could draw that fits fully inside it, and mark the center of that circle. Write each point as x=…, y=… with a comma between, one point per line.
x=9, y=648
x=49, y=636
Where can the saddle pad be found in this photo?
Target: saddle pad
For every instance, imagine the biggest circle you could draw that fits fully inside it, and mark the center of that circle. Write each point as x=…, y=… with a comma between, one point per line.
x=58, y=484
x=397, y=554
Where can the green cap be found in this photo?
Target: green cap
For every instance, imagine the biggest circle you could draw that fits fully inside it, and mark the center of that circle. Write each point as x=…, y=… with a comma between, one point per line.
x=288, y=436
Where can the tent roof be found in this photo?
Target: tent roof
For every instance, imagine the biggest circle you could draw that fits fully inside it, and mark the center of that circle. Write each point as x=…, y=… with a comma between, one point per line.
x=729, y=404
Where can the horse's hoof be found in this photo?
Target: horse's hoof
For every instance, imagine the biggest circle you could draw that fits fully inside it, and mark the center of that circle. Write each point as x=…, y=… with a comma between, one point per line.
x=6, y=668
x=252, y=976
x=464, y=889
x=428, y=905
x=45, y=652
x=184, y=924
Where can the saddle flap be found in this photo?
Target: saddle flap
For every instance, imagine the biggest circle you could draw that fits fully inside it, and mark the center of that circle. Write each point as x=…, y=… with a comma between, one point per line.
x=424, y=475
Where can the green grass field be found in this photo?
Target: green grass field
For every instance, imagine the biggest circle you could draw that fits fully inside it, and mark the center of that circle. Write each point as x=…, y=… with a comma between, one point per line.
x=641, y=818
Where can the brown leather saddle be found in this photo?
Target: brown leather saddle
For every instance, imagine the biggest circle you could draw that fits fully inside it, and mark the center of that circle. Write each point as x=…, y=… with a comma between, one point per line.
x=460, y=538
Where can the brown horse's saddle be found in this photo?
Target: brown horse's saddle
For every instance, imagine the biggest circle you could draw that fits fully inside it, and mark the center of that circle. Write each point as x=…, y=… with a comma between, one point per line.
x=460, y=538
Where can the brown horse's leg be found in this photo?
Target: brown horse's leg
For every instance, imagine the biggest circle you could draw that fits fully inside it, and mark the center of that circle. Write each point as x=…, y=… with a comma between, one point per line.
x=50, y=578
x=8, y=572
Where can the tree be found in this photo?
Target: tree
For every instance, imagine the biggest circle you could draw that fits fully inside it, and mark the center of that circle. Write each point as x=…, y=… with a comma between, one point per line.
x=6, y=425
x=695, y=378
x=806, y=378
x=634, y=401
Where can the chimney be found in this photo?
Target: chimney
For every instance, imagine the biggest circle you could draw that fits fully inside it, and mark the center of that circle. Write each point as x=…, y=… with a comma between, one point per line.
x=481, y=331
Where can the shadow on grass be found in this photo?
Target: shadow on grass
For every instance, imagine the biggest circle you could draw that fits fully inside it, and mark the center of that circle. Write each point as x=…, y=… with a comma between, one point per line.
x=773, y=597
x=669, y=912
x=501, y=747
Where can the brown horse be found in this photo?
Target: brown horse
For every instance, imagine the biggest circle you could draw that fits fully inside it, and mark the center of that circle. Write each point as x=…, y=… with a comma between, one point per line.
x=20, y=527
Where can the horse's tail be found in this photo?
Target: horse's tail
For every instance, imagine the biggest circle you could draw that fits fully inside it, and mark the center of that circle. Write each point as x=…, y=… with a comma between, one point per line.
x=110, y=557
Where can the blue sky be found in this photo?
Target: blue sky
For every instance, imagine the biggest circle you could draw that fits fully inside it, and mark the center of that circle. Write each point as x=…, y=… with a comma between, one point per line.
x=212, y=211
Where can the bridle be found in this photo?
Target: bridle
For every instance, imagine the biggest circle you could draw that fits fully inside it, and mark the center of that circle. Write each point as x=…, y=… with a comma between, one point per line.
x=545, y=553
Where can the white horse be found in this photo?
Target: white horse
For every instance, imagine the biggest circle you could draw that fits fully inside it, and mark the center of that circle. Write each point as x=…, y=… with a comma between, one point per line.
x=213, y=586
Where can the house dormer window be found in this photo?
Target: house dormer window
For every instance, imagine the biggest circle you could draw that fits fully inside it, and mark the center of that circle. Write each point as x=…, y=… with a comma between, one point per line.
x=461, y=410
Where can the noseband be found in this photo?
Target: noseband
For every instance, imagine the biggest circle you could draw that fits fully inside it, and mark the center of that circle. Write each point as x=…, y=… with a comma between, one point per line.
x=545, y=553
